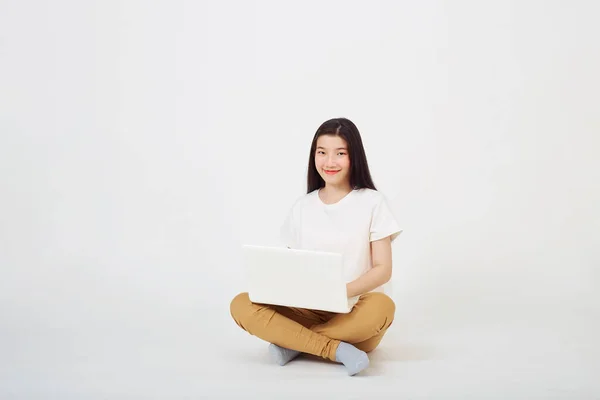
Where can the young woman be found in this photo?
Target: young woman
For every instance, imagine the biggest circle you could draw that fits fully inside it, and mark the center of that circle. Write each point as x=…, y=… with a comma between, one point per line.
x=342, y=212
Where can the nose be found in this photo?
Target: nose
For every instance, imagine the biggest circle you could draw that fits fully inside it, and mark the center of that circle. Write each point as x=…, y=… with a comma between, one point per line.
x=330, y=164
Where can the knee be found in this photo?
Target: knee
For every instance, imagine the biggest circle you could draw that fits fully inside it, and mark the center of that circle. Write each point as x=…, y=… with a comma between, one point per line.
x=239, y=303
x=382, y=306
x=381, y=301
x=387, y=305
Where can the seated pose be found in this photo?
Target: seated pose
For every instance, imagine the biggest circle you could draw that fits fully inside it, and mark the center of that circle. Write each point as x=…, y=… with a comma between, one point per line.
x=342, y=212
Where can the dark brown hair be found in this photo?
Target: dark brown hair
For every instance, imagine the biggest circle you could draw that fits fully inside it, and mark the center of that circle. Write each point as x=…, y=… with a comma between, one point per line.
x=360, y=177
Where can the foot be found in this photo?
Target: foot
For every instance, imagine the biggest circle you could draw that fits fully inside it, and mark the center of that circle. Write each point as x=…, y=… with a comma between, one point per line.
x=282, y=355
x=354, y=360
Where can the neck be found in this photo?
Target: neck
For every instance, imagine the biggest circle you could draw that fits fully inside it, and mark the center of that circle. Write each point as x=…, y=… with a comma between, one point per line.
x=341, y=189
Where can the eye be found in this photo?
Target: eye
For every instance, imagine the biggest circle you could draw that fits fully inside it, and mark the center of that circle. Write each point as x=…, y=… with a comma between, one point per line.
x=342, y=153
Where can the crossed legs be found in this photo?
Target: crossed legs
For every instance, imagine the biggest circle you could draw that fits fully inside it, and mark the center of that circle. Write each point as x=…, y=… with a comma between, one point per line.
x=316, y=332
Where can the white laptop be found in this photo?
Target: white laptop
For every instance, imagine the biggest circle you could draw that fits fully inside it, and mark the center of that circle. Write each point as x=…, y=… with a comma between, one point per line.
x=295, y=278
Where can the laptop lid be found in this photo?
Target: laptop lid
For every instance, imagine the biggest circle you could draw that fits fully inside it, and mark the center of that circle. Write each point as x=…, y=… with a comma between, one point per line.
x=295, y=278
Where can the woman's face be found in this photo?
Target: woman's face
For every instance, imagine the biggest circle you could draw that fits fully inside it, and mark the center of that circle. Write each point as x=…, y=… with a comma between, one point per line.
x=333, y=160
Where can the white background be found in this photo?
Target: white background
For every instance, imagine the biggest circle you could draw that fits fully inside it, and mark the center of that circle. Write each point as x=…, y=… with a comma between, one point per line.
x=143, y=142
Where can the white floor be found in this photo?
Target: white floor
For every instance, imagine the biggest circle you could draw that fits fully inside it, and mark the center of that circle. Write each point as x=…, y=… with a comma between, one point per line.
x=543, y=351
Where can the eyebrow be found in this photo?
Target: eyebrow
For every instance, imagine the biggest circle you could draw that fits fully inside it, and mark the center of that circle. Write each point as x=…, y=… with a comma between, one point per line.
x=339, y=148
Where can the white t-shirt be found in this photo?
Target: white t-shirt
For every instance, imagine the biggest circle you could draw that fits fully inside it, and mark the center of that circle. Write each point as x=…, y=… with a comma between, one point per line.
x=345, y=227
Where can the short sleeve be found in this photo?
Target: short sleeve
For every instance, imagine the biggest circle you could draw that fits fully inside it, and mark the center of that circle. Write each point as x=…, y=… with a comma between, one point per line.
x=383, y=222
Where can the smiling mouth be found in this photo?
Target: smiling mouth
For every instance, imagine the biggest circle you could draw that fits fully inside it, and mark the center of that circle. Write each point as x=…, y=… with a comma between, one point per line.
x=331, y=172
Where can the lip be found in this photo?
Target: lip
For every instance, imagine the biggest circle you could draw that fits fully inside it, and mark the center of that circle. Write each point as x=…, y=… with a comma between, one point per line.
x=331, y=172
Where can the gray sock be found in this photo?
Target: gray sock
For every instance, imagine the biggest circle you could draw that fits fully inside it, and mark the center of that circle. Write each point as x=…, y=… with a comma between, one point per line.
x=282, y=355
x=354, y=360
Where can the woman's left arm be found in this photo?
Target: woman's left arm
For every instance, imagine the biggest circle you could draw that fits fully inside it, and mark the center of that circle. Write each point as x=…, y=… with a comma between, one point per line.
x=381, y=254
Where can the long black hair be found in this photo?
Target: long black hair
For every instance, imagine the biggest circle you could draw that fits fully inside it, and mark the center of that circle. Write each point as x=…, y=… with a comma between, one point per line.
x=360, y=176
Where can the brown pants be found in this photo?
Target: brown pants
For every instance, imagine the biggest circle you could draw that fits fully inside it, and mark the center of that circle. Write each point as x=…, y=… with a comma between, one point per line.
x=316, y=332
